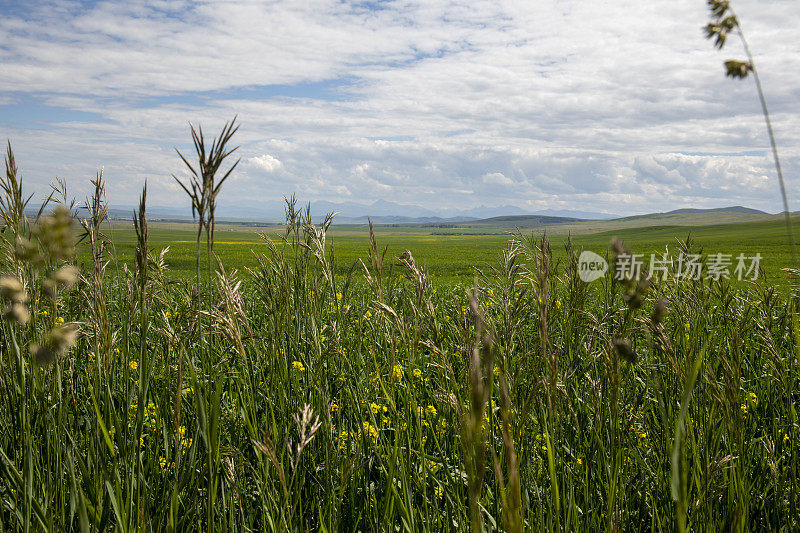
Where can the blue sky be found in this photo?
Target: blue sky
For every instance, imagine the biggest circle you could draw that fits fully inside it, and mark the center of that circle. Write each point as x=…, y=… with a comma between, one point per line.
x=604, y=106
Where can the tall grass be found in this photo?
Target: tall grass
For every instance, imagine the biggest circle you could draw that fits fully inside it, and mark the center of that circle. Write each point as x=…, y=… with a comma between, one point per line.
x=290, y=397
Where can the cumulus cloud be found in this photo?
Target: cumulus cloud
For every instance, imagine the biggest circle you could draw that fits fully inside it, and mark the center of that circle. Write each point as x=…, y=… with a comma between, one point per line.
x=266, y=162
x=496, y=178
x=550, y=103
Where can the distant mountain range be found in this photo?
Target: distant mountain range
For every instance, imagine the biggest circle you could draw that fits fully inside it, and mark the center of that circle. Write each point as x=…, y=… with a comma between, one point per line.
x=385, y=212
x=380, y=212
x=692, y=211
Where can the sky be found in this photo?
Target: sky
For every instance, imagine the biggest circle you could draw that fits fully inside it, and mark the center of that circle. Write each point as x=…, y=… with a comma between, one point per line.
x=609, y=106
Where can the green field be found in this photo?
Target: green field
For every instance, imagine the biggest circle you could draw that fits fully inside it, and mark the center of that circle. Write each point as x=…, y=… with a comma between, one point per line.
x=452, y=257
x=310, y=394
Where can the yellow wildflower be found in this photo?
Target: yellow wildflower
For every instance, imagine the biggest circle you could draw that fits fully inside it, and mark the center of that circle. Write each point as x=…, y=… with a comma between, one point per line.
x=397, y=372
x=165, y=465
x=752, y=398
x=297, y=365
x=430, y=410
x=438, y=491
x=133, y=365
x=334, y=408
x=370, y=431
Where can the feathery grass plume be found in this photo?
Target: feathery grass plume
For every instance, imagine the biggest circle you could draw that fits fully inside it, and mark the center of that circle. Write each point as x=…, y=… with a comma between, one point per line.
x=376, y=259
x=724, y=22
x=510, y=493
x=14, y=299
x=418, y=277
x=142, y=249
x=505, y=292
x=206, y=184
x=52, y=243
x=229, y=315
x=12, y=209
x=98, y=242
x=315, y=243
x=472, y=423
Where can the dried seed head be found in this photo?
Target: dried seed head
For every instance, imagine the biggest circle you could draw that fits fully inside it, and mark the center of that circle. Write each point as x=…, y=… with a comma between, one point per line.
x=617, y=248
x=12, y=290
x=57, y=343
x=55, y=234
x=63, y=278
x=737, y=69
x=16, y=313
x=635, y=298
x=27, y=251
x=659, y=312
x=42, y=354
x=625, y=350
x=66, y=276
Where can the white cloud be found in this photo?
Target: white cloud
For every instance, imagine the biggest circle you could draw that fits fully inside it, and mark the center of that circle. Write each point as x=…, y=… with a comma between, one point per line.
x=266, y=162
x=496, y=178
x=487, y=102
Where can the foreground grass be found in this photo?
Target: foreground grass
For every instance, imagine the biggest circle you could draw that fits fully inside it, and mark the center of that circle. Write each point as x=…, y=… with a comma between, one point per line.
x=311, y=394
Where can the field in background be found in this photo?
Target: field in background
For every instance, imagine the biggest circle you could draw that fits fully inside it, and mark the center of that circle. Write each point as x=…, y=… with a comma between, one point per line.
x=451, y=257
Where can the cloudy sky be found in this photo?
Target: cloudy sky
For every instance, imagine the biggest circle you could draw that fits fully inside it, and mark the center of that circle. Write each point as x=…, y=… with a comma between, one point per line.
x=618, y=106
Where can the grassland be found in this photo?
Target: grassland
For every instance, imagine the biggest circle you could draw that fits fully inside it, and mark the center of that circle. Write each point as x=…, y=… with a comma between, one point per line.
x=452, y=257
x=307, y=394
x=464, y=380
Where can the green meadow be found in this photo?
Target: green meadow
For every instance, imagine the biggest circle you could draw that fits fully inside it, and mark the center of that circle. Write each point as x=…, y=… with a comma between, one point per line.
x=451, y=255
x=473, y=384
